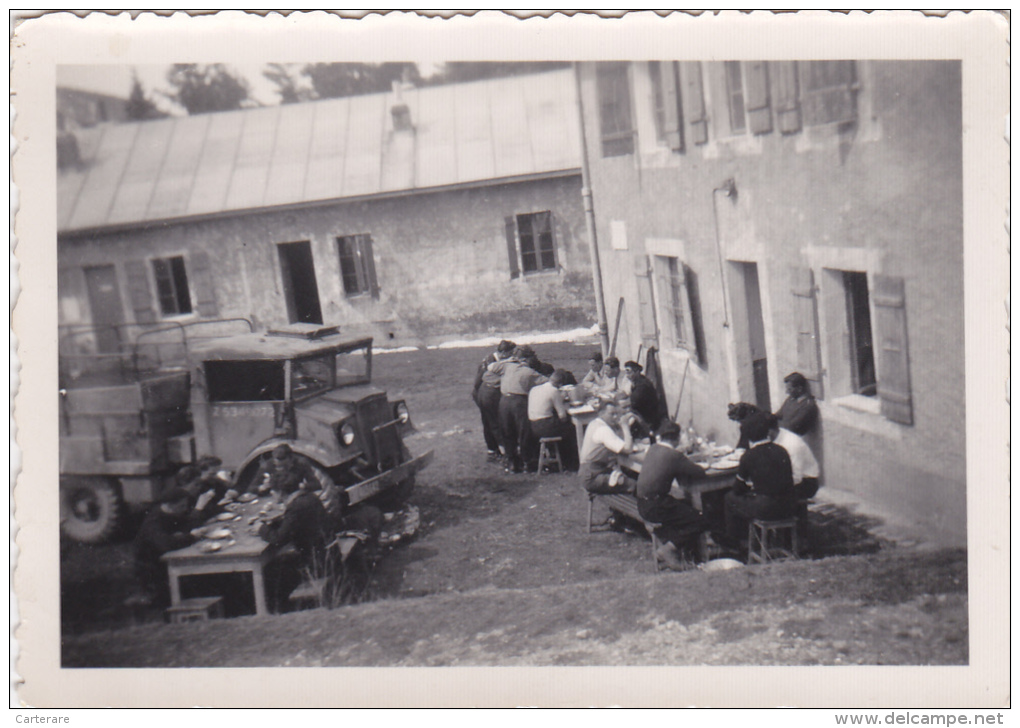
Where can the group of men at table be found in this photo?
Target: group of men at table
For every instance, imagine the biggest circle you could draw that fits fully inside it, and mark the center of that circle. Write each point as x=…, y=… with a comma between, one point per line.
x=522, y=400
x=777, y=469
x=312, y=516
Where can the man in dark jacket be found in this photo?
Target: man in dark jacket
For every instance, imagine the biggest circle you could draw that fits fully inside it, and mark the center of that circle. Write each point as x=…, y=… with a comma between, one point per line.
x=165, y=528
x=644, y=398
x=681, y=524
x=485, y=395
x=800, y=411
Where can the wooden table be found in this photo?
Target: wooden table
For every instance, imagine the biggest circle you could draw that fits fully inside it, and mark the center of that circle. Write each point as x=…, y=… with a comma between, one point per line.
x=693, y=488
x=581, y=415
x=249, y=554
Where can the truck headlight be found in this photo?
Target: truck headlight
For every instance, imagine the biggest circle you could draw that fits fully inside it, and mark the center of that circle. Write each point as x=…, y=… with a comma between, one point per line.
x=400, y=412
x=346, y=434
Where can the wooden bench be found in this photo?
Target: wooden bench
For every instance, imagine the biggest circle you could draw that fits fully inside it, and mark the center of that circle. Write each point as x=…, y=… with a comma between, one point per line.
x=199, y=609
x=626, y=505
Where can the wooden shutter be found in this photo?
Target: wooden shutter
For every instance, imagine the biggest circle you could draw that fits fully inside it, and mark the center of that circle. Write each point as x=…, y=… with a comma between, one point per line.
x=672, y=118
x=806, y=319
x=646, y=301
x=139, y=291
x=205, y=293
x=694, y=101
x=366, y=248
x=828, y=92
x=785, y=95
x=889, y=301
x=756, y=82
x=511, y=245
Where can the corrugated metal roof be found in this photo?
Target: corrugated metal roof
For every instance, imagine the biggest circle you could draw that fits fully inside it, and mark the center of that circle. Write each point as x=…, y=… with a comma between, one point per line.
x=318, y=151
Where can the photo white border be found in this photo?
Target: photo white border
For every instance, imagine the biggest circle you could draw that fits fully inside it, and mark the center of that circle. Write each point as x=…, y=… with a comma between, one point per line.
x=978, y=38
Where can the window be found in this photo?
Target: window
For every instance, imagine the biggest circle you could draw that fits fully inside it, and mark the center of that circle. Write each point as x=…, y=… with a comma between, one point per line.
x=827, y=91
x=244, y=381
x=735, y=97
x=171, y=286
x=616, y=125
x=862, y=355
x=357, y=266
x=529, y=243
x=669, y=120
x=677, y=290
x=535, y=233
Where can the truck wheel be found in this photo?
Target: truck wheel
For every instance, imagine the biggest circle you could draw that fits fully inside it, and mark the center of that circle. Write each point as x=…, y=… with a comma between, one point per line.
x=91, y=509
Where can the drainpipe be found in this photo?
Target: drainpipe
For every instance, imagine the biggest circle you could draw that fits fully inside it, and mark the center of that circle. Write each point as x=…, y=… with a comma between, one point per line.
x=589, y=221
x=729, y=188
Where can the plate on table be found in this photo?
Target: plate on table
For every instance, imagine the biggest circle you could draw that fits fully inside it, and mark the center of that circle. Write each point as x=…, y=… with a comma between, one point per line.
x=225, y=516
x=247, y=497
x=207, y=547
x=218, y=533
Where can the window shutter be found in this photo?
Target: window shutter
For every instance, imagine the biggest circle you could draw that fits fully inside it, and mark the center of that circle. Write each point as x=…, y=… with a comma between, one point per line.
x=806, y=317
x=828, y=92
x=889, y=300
x=756, y=81
x=205, y=294
x=784, y=89
x=646, y=301
x=139, y=291
x=373, y=282
x=672, y=119
x=694, y=99
x=511, y=246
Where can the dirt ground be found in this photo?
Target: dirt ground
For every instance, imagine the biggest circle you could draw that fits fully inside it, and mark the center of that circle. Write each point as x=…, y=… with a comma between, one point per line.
x=503, y=572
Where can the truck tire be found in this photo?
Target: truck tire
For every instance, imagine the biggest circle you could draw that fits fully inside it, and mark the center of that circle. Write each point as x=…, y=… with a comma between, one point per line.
x=91, y=509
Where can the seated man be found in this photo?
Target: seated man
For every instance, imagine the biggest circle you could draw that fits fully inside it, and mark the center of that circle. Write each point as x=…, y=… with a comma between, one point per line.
x=800, y=411
x=764, y=487
x=609, y=383
x=805, y=467
x=548, y=417
x=165, y=528
x=644, y=398
x=285, y=471
x=680, y=523
x=591, y=378
x=306, y=527
x=209, y=489
x=607, y=436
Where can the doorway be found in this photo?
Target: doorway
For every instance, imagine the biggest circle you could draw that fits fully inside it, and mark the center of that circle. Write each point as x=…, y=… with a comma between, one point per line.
x=299, y=287
x=105, y=305
x=749, y=334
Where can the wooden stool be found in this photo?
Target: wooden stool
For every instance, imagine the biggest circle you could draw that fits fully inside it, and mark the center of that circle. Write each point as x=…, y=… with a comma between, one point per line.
x=762, y=537
x=549, y=454
x=309, y=594
x=200, y=609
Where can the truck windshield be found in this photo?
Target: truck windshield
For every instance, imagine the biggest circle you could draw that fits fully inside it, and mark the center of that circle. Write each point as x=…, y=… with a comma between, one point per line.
x=244, y=381
x=354, y=367
x=311, y=375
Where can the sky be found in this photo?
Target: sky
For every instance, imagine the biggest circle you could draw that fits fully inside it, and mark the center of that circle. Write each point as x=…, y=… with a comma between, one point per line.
x=115, y=80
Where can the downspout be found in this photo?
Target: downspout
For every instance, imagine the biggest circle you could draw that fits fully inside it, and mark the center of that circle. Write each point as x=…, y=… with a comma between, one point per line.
x=589, y=221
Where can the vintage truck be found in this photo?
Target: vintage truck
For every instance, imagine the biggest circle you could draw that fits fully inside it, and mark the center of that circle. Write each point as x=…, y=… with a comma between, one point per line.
x=132, y=416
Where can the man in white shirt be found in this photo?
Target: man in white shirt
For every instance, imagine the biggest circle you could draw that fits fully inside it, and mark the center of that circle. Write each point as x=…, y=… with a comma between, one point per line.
x=805, y=467
x=548, y=417
x=607, y=436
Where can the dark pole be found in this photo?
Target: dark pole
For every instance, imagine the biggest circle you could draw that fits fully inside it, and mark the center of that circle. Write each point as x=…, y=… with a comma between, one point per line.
x=589, y=221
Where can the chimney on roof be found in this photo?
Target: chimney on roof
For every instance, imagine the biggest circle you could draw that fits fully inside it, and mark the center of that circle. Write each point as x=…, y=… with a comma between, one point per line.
x=401, y=114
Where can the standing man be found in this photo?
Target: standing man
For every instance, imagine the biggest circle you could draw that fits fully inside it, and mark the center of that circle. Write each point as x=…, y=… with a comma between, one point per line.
x=517, y=380
x=607, y=436
x=548, y=417
x=486, y=395
x=165, y=528
x=680, y=523
x=800, y=411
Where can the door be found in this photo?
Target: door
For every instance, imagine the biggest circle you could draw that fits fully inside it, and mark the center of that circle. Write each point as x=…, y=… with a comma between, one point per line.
x=749, y=333
x=105, y=304
x=299, y=286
